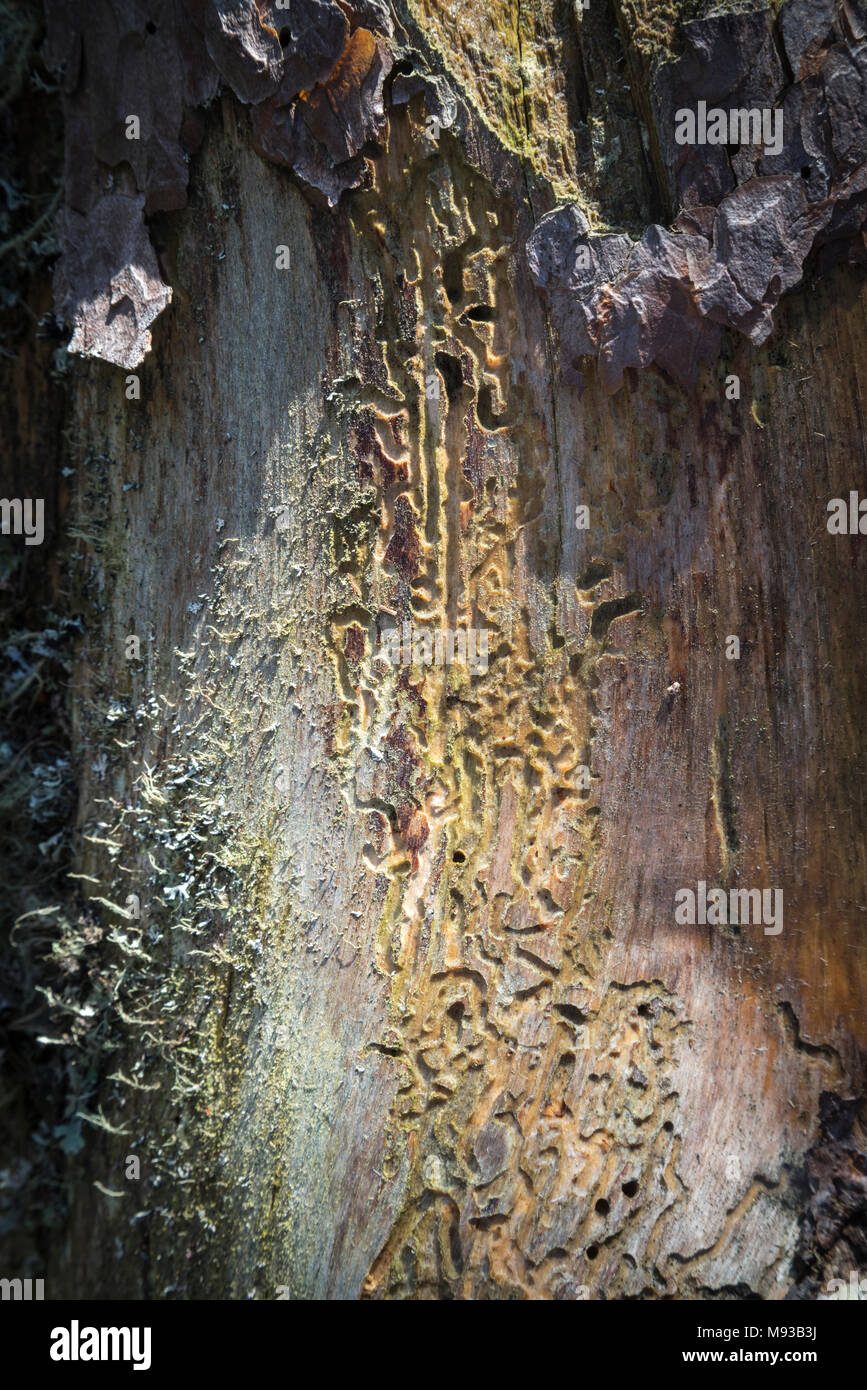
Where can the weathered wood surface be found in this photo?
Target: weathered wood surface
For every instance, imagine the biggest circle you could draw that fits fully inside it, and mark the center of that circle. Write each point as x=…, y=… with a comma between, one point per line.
x=418, y=1013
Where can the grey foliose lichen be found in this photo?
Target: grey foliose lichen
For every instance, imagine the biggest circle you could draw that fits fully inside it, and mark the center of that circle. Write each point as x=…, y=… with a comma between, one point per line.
x=750, y=216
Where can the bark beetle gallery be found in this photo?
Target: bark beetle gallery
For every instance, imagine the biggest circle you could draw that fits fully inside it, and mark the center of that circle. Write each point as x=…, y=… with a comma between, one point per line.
x=350, y=966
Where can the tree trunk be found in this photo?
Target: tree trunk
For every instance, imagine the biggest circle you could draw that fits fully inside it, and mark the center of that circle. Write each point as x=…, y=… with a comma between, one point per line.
x=375, y=979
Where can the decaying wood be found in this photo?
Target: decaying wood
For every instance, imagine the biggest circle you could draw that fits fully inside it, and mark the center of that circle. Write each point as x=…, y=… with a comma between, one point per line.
x=407, y=1013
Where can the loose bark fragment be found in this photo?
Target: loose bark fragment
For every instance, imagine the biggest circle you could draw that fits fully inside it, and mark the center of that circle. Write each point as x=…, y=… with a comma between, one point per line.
x=107, y=282
x=345, y=112
x=749, y=219
x=246, y=52
x=158, y=61
x=317, y=100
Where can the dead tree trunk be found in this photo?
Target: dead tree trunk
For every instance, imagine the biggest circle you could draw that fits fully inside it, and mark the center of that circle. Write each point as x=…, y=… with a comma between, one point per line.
x=378, y=979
